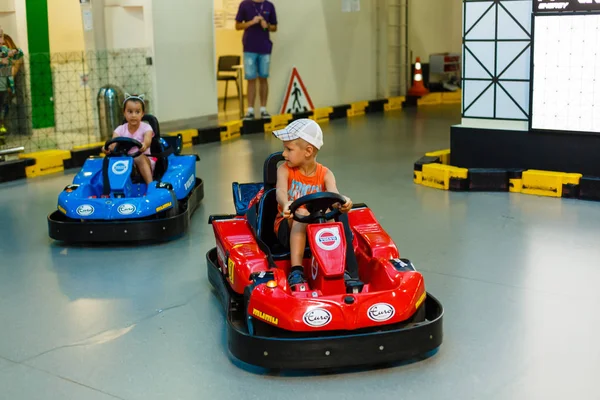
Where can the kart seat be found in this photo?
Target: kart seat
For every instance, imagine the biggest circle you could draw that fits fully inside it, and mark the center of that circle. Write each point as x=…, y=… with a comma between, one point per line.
x=270, y=170
x=156, y=147
x=267, y=212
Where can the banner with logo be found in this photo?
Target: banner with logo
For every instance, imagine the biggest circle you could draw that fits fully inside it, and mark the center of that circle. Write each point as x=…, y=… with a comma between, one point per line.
x=548, y=6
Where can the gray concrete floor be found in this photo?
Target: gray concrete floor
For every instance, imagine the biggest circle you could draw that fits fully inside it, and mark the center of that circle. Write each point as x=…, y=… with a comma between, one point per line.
x=518, y=276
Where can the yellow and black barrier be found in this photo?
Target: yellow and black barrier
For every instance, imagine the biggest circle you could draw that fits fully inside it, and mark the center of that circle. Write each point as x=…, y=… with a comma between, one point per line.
x=81, y=153
x=53, y=161
x=432, y=171
x=46, y=162
x=187, y=135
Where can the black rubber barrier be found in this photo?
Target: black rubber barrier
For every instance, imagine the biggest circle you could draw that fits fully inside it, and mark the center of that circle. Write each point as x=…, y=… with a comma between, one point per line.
x=254, y=126
x=340, y=111
x=589, y=188
x=78, y=157
x=458, y=184
x=302, y=115
x=14, y=169
x=376, y=106
x=425, y=160
x=488, y=180
x=208, y=135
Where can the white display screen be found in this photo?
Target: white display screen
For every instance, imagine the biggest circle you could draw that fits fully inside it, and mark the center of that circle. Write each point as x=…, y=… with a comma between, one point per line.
x=566, y=73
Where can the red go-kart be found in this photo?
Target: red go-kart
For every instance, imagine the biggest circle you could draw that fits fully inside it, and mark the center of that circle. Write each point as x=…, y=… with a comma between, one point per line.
x=361, y=305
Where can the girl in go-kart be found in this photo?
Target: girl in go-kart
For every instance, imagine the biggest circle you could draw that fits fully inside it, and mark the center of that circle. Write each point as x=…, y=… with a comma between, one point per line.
x=135, y=128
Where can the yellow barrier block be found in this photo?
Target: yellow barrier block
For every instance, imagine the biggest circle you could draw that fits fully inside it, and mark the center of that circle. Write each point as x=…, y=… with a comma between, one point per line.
x=187, y=136
x=357, y=108
x=444, y=155
x=430, y=99
x=547, y=183
x=452, y=97
x=515, y=185
x=233, y=130
x=321, y=114
x=394, y=103
x=46, y=162
x=89, y=146
x=438, y=175
x=418, y=177
x=277, y=122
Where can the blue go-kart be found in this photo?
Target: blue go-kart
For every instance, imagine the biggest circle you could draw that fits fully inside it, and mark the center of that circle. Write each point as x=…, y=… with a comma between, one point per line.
x=109, y=202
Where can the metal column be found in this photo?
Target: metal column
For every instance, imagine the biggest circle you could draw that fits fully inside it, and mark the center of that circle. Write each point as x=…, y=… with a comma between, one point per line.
x=398, y=60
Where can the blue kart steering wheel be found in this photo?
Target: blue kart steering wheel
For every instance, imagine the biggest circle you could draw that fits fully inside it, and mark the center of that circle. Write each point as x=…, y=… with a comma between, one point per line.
x=123, y=146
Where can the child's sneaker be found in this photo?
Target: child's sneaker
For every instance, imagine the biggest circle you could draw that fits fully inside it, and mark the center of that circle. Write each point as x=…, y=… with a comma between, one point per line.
x=265, y=115
x=296, y=277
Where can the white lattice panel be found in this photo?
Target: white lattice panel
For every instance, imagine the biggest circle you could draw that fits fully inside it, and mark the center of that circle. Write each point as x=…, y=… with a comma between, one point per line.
x=496, y=53
x=566, y=80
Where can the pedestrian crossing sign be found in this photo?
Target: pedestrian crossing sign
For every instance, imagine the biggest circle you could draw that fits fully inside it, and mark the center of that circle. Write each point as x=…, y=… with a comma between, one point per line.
x=296, y=100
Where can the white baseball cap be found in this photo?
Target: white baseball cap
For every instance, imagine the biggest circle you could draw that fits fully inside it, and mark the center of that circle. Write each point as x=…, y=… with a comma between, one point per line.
x=306, y=129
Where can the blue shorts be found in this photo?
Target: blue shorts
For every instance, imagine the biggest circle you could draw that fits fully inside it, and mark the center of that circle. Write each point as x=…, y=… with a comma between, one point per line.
x=256, y=65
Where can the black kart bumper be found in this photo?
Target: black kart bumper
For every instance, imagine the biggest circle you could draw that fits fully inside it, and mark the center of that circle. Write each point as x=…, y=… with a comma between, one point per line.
x=67, y=230
x=402, y=343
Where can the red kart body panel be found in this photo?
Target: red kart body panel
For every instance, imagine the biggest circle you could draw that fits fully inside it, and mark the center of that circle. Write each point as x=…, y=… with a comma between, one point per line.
x=238, y=252
x=389, y=296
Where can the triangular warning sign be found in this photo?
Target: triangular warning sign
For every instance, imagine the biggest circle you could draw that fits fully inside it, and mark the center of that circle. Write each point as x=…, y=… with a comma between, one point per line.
x=296, y=98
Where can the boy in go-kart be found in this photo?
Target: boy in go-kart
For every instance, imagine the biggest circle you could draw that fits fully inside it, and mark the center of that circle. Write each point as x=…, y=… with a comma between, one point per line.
x=300, y=175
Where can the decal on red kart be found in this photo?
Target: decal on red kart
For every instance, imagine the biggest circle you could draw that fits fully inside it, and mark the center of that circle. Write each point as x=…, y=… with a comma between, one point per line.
x=381, y=312
x=120, y=167
x=264, y=316
x=314, y=268
x=317, y=317
x=126, y=209
x=231, y=270
x=328, y=238
x=85, y=210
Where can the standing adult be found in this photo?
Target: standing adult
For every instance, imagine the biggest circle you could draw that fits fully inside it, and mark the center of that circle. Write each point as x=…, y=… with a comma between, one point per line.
x=257, y=18
x=10, y=55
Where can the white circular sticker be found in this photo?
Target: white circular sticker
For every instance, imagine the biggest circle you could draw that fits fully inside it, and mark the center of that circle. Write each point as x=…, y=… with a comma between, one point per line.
x=120, y=167
x=85, y=210
x=328, y=238
x=380, y=312
x=317, y=317
x=126, y=209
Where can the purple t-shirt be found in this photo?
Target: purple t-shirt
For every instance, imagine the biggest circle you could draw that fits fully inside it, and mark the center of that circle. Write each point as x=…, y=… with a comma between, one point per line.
x=256, y=39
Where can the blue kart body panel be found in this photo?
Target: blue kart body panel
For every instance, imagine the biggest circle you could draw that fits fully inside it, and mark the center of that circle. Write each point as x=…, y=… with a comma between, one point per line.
x=84, y=199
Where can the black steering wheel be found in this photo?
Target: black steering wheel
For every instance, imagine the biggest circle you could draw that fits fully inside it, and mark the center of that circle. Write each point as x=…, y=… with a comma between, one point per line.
x=317, y=205
x=124, y=144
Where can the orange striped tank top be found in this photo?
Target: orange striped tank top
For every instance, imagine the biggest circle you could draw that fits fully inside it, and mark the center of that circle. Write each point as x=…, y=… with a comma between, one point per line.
x=300, y=185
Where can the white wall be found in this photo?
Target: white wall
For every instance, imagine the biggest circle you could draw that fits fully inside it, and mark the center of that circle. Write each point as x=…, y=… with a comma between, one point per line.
x=65, y=26
x=435, y=26
x=333, y=51
x=125, y=27
x=184, y=59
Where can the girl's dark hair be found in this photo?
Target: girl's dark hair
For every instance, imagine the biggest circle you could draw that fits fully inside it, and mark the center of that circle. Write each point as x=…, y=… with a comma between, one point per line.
x=135, y=98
